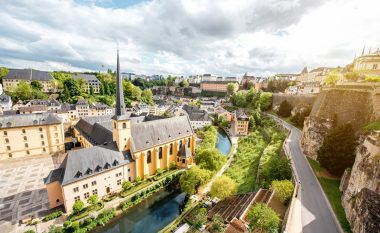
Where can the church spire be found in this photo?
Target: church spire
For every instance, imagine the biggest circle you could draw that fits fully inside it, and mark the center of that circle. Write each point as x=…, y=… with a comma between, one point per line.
x=120, y=105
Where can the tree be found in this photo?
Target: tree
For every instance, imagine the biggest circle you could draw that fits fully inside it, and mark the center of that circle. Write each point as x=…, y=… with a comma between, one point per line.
x=91, y=90
x=338, y=149
x=147, y=96
x=136, y=93
x=75, y=226
x=200, y=217
x=36, y=85
x=285, y=109
x=265, y=100
x=126, y=185
x=193, y=178
x=299, y=116
x=232, y=88
x=262, y=218
x=354, y=76
x=3, y=71
x=239, y=99
x=93, y=200
x=210, y=159
x=184, y=83
x=78, y=206
x=332, y=78
x=283, y=190
x=217, y=225
x=276, y=168
x=223, y=187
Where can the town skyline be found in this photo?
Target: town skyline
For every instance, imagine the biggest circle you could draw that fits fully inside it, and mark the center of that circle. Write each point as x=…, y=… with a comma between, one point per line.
x=223, y=38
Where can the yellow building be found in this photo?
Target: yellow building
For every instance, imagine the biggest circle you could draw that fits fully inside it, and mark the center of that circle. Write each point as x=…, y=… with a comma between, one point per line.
x=32, y=134
x=368, y=63
x=240, y=123
x=216, y=86
x=118, y=148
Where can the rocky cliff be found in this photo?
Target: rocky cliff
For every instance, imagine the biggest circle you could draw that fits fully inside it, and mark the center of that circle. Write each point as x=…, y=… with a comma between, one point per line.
x=333, y=108
x=361, y=187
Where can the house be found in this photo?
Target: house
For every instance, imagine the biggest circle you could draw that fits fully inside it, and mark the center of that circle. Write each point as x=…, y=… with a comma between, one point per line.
x=5, y=103
x=91, y=82
x=142, y=108
x=240, y=123
x=30, y=134
x=221, y=112
x=118, y=148
x=15, y=76
x=83, y=108
x=198, y=118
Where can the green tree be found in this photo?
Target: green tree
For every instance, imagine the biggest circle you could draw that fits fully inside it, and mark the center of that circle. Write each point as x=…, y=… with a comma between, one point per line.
x=91, y=90
x=136, y=93
x=184, y=83
x=354, y=76
x=285, y=109
x=239, y=99
x=75, y=226
x=223, y=187
x=147, y=96
x=263, y=219
x=93, y=200
x=200, y=217
x=232, y=88
x=78, y=206
x=300, y=116
x=217, y=224
x=276, y=168
x=193, y=178
x=265, y=100
x=3, y=71
x=338, y=149
x=126, y=185
x=283, y=190
x=372, y=78
x=332, y=78
x=210, y=159
x=36, y=85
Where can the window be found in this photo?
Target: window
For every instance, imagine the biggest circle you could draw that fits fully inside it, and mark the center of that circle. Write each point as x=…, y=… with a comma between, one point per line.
x=93, y=183
x=188, y=142
x=44, y=150
x=10, y=155
x=40, y=129
x=28, y=152
x=183, y=161
x=171, y=149
x=124, y=125
x=23, y=131
x=85, y=186
x=177, y=159
x=5, y=133
x=42, y=136
x=6, y=140
x=26, y=145
x=56, y=135
x=374, y=67
x=180, y=144
x=95, y=191
x=77, y=198
x=57, y=200
x=129, y=179
x=25, y=138
x=118, y=182
x=76, y=189
x=86, y=195
x=160, y=153
x=118, y=174
x=148, y=157
x=114, y=125
x=129, y=169
x=43, y=143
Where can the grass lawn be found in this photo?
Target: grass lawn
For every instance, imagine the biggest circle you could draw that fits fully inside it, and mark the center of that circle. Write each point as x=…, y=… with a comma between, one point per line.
x=331, y=189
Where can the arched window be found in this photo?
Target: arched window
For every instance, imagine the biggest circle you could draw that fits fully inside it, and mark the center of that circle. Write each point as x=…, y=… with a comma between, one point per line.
x=171, y=149
x=160, y=153
x=26, y=145
x=188, y=142
x=148, y=157
x=124, y=125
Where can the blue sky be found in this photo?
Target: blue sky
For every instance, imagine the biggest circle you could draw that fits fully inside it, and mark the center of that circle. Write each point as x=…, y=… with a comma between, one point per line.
x=184, y=37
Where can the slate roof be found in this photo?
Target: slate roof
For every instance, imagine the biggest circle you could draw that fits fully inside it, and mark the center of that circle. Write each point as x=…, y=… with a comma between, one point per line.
x=87, y=77
x=28, y=75
x=84, y=163
x=195, y=114
x=241, y=115
x=13, y=121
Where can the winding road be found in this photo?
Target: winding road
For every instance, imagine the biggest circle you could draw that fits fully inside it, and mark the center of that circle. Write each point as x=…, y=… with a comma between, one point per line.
x=315, y=211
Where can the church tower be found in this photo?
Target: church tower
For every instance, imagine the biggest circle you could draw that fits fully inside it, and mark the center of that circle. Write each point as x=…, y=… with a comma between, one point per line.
x=121, y=125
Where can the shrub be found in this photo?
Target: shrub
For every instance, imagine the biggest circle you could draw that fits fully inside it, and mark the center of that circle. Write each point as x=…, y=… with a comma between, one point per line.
x=138, y=180
x=53, y=215
x=67, y=223
x=283, y=190
x=75, y=225
x=29, y=231
x=263, y=219
x=223, y=187
x=172, y=165
x=93, y=199
x=126, y=185
x=217, y=224
x=78, y=206
x=159, y=171
x=193, y=178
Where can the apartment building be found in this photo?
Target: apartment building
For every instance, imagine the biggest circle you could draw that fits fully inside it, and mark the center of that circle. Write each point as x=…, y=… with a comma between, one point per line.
x=368, y=63
x=216, y=86
x=28, y=135
x=15, y=76
x=240, y=123
x=118, y=148
x=91, y=82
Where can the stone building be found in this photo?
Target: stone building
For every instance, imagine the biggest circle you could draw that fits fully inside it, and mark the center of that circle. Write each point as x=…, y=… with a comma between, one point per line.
x=116, y=149
x=91, y=82
x=28, y=135
x=15, y=76
x=368, y=63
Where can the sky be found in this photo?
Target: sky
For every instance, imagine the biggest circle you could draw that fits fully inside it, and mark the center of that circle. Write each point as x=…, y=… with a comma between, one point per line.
x=185, y=37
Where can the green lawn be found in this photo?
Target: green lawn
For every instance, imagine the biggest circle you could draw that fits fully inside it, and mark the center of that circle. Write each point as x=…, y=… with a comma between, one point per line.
x=331, y=189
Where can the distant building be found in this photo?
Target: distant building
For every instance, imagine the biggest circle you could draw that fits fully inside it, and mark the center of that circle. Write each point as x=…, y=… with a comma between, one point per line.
x=368, y=63
x=5, y=103
x=198, y=118
x=91, y=81
x=15, y=76
x=216, y=86
x=221, y=112
x=83, y=108
x=32, y=134
x=311, y=81
x=240, y=123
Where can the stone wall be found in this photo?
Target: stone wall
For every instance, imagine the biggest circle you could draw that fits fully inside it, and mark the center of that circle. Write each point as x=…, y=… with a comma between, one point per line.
x=294, y=100
x=361, y=197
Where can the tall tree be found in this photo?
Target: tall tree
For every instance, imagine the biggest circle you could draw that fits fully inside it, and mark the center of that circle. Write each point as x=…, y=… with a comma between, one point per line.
x=36, y=85
x=232, y=88
x=263, y=219
x=3, y=71
x=223, y=187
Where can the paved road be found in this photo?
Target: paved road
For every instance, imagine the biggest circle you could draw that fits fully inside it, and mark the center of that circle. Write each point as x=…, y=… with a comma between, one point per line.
x=317, y=216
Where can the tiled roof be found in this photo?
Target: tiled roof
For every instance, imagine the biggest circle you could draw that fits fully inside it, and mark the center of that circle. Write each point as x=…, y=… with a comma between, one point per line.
x=13, y=121
x=28, y=74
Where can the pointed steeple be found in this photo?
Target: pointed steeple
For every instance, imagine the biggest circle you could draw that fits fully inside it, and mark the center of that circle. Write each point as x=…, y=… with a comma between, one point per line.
x=120, y=105
x=363, y=50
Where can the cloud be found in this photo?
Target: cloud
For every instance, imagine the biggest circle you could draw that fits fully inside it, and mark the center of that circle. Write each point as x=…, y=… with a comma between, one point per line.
x=224, y=37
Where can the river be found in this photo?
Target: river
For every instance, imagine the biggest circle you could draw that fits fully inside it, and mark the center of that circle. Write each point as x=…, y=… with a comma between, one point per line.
x=158, y=210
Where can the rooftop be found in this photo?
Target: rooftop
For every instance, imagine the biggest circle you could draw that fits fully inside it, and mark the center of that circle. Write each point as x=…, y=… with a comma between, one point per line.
x=28, y=75
x=13, y=121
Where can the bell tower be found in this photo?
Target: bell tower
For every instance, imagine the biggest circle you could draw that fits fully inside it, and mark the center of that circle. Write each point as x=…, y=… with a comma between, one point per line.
x=121, y=125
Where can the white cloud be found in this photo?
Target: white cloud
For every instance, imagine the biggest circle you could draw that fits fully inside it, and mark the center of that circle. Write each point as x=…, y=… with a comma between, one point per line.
x=224, y=37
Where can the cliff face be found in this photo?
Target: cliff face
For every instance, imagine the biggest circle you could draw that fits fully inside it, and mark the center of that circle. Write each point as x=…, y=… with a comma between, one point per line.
x=361, y=197
x=333, y=108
